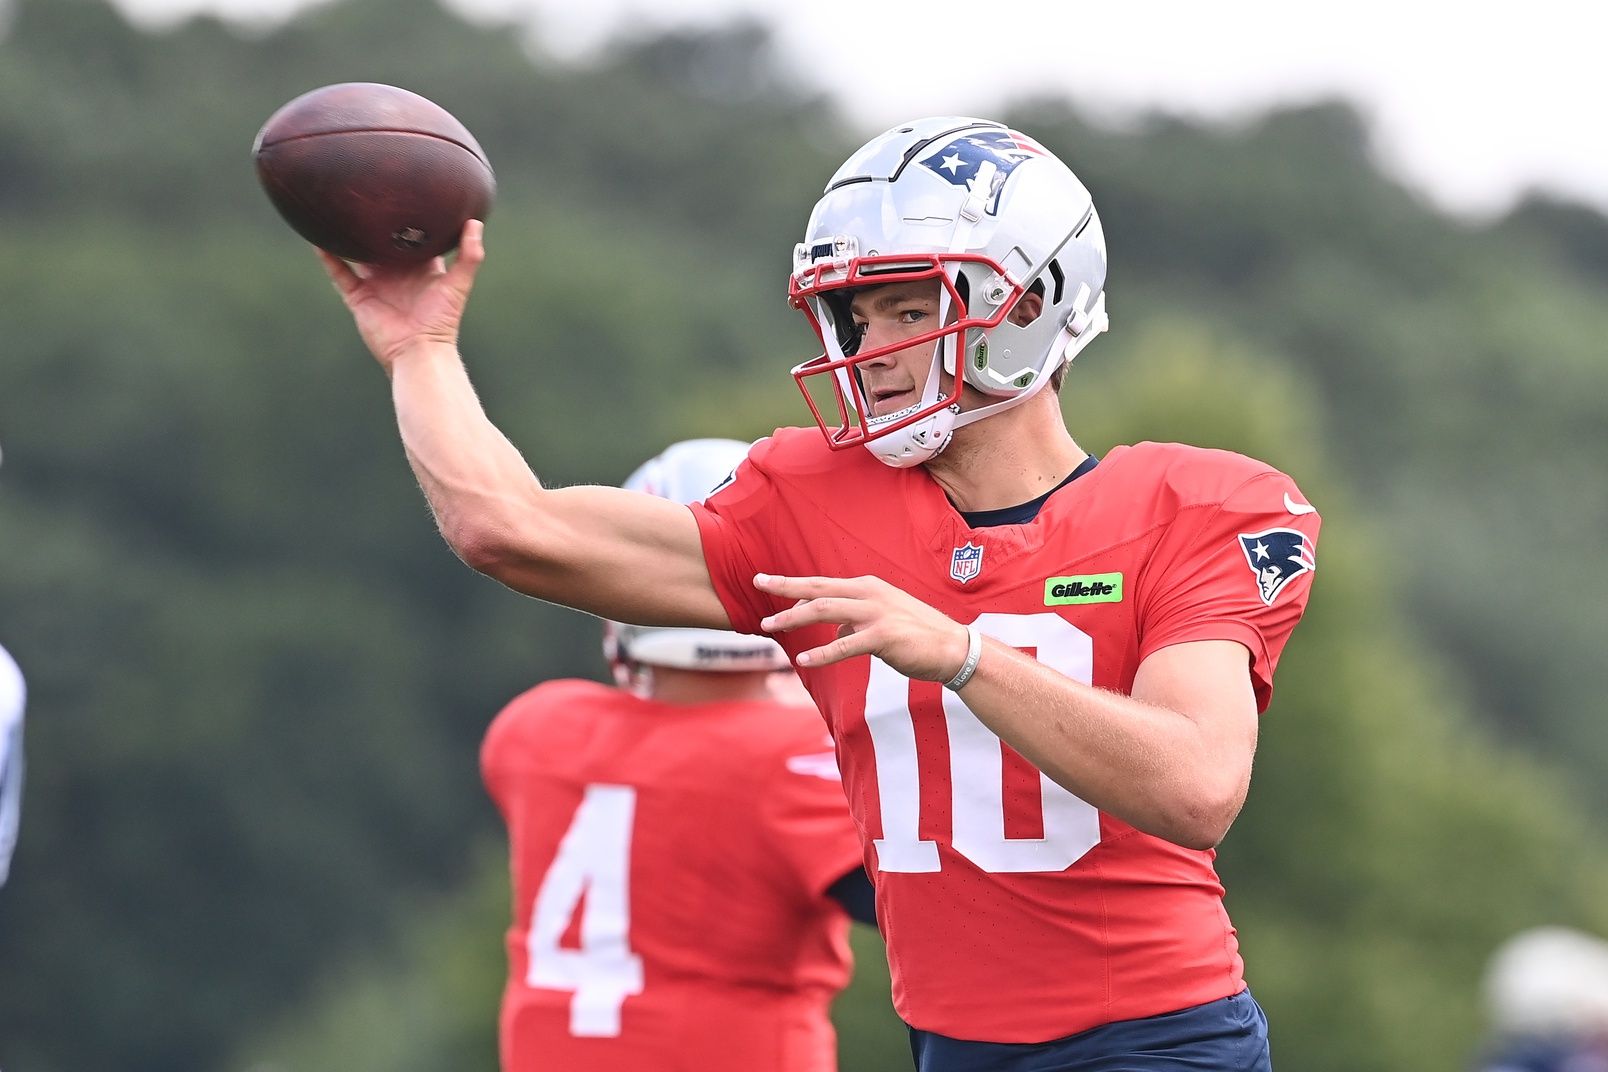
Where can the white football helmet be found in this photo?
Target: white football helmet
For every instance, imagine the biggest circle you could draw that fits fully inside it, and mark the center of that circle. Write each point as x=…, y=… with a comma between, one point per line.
x=685, y=473
x=1549, y=980
x=988, y=213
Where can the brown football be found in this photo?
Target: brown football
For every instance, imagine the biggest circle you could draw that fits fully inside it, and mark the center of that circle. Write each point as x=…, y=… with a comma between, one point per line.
x=373, y=173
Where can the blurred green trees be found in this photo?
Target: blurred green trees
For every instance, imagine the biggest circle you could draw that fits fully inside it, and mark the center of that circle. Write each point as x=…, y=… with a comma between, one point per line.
x=254, y=834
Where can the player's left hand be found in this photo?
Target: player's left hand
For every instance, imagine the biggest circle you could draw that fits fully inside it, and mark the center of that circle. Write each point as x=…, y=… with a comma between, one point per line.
x=873, y=618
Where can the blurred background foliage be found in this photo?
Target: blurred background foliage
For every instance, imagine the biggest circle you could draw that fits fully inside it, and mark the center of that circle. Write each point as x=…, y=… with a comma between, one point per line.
x=254, y=837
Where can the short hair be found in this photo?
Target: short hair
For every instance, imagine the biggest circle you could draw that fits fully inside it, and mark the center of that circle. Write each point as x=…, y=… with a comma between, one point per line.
x=1058, y=377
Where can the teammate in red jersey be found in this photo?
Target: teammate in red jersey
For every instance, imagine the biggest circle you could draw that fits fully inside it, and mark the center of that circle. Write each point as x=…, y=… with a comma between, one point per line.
x=676, y=846
x=1042, y=671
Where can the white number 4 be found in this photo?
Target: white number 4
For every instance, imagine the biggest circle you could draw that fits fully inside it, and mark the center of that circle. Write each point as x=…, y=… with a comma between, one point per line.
x=593, y=861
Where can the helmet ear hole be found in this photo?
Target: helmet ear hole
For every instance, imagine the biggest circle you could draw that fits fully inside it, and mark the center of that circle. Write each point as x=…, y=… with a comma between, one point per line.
x=1029, y=307
x=1060, y=282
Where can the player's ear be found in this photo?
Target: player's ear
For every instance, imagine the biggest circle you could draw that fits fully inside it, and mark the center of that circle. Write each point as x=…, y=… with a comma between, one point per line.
x=1027, y=309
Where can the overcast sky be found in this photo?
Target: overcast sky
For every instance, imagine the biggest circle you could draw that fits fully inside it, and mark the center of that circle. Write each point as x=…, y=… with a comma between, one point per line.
x=1469, y=102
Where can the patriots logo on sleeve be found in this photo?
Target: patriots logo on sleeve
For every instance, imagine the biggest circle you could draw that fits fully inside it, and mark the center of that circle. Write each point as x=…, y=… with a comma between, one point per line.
x=960, y=162
x=1277, y=557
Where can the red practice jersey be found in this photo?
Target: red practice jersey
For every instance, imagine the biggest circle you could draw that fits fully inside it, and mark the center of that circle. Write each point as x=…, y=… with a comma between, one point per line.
x=1012, y=910
x=669, y=870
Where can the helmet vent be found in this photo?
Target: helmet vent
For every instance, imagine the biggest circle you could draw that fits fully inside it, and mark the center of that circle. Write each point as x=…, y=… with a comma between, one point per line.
x=1088, y=218
x=1060, y=281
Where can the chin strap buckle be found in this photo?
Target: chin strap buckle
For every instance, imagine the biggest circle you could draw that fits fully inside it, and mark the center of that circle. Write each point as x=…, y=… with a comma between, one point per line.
x=1084, y=319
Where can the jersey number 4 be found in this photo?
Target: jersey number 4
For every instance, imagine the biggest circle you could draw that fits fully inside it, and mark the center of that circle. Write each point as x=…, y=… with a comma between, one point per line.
x=594, y=862
x=976, y=766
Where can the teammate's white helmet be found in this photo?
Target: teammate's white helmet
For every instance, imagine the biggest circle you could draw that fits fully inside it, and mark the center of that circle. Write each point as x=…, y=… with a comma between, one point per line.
x=1549, y=980
x=686, y=472
x=990, y=214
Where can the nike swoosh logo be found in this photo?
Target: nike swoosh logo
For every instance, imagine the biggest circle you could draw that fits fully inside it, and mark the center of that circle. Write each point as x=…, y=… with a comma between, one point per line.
x=1298, y=508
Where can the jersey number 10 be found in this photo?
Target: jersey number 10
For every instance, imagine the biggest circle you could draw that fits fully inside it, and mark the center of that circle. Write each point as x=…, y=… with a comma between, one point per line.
x=976, y=766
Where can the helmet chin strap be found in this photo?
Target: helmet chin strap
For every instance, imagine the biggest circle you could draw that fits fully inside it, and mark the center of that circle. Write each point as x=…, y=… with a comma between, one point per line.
x=916, y=443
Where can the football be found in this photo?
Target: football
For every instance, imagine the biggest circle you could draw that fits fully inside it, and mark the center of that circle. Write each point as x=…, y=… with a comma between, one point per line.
x=373, y=173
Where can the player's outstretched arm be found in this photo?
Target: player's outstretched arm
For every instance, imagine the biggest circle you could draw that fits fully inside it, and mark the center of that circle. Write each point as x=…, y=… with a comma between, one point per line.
x=618, y=554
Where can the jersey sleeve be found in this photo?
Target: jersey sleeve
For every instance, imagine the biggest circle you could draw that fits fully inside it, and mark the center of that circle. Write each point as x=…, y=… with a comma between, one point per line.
x=1241, y=570
x=806, y=817
x=736, y=523
x=508, y=741
x=494, y=748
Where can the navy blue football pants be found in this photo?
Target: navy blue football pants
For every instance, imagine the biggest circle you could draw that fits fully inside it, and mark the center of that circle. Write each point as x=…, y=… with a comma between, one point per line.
x=1229, y=1035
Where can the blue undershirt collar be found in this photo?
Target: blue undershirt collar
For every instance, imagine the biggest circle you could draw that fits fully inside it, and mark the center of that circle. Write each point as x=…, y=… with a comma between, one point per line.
x=1025, y=512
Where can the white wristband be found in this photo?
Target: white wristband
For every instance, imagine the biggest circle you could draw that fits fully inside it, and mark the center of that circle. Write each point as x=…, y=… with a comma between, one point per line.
x=974, y=653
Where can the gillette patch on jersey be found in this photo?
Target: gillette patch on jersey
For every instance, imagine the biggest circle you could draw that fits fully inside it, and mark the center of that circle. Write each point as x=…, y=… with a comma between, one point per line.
x=1093, y=588
x=1277, y=557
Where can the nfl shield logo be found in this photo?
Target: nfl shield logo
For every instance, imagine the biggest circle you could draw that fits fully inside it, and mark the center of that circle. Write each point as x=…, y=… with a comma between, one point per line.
x=966, y=562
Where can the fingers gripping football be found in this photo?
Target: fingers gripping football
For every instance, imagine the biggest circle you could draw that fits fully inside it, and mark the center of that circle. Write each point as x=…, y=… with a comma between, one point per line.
x=873, y=618
x=397, y=307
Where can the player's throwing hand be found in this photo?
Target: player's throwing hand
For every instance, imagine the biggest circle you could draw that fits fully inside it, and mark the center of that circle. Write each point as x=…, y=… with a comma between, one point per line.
x=398, y=308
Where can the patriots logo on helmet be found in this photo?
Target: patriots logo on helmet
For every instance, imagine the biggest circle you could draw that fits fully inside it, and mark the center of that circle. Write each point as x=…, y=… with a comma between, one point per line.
x=960, y=161
x=1277, y=557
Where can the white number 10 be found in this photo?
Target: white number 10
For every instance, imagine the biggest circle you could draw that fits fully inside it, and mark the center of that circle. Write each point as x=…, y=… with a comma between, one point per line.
x=976, y=766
